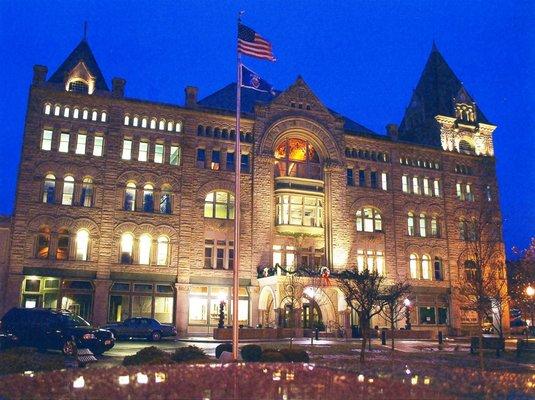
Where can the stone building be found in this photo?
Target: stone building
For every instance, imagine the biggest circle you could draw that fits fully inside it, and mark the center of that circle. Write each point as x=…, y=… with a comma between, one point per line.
x=125, y=207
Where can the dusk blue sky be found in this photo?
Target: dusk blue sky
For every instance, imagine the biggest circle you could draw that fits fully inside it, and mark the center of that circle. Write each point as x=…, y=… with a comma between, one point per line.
x=363, y=59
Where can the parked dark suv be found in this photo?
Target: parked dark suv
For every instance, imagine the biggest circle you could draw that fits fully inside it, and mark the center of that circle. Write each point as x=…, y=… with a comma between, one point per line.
x=139, y=327
x=54, y=329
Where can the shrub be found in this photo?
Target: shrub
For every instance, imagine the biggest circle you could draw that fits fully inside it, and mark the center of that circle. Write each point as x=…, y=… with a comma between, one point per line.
x=20, y=359
x=251, y=353
x=295, y=355
x=223, y=347
x=272, y=356
x=149, y=355
x=188, y=353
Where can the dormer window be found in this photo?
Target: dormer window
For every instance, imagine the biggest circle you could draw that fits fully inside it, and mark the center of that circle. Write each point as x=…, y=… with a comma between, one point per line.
x=79, y=87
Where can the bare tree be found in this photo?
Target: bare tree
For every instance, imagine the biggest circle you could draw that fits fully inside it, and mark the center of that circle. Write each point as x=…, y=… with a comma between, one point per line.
x=482, y=259
x=394, y=306
x=521, y=274
x=364, y=293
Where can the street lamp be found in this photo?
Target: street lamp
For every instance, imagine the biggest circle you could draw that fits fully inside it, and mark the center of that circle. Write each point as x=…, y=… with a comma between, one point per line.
x=407, y=304
x=530, y=291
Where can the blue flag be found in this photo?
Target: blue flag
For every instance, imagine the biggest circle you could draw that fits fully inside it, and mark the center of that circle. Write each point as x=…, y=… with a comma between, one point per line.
x=252, y=80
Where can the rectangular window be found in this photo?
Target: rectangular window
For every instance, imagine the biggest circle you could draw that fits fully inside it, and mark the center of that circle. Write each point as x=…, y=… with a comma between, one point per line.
x=80, y=144
x=373, y=180
x=46, y=142
x=405, y=183
x=220, y=253
x=245, y=163
x=230, y=162
x=174, y=155
x=442, y=315
x=98, y=146
x=384, y=181
x=231, y=256
x=208, y=253
x=201, y=158
x=64, y=143
x=436, y=187
x=127, y=149
x=438, y=269
x=426, y=186
x=415, y=185
x=459, y=191
x=427, y=315
x=143, y=153
x=158, y=153
x=469, y=194
x=422, y=227
x=216, y=160
x=380, y=262
x=362, y=178
x=360, y=260
x=350, y=180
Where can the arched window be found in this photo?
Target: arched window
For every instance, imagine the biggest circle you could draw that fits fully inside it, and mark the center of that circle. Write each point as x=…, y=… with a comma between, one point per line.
x=135, y=121
x=435, y=232
x=86, y=197
x=162, y=250
x=68, y=190
x=144, y=122
x=423, y=231
x=62, y=251
x=178, y=126
x=410, y=224
x=153, y=123
x=47, y=109
x=94, y=115
x=413, y=266
x=170, y=125
x=76, y=113
x=165, y=200
x=470, y=269
x=43, y=242
x=127, y=247
x=219, y=204
x=426, y=267
x=145, y=243
x=161, y=124
x=130, y=197
x=49, y=189
x=57, y=110
x=85, y=114
x=79, y=87
x=66, y=112
x=148, y=198
x=82, y=245
x=438, y=269
x=126, y=119
x=369, y=220
x=297, y=158
x=103, y=116
x=465, y=147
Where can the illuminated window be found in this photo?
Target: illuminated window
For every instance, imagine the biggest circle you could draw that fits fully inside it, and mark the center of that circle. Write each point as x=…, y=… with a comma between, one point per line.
x=360, y=260
x=425, y=182
x=135, y=121
x=47, y=109
x=413, y=266
x=436, y=187
x=384, y=181
x=103, y=116
x=98, y=146
x=178, y=127
x=158, y=153
x=127, y=149
x=405, y=183
x=46, y=141
x=216, y=160
x=426, y=272
x=143, y=151
x=380, y=262
x=161, y=124
x=434, y=227
x=62, y=250
x=66, y=112
x=127, y=247
x=64, y=142
x=162, y=250
x=86, y=197
x=80, y=144
x=423, y=231
x=144, y=122
x=148, y=198
x=79, y=87
x=94, y=116
x=85, y=114
x=145, y=243
x=170, y=126
x=165, y=200
x=219, y=205
x=297, y=158
x=43, y=243
x=469, y=194
x=126, y=120
x=82, y=244
x=174, y=155
x=371, y=260
x=410, y=224
x=369, y=220
x=76, y=113
x=49, y=189
x=458, y=191
x=68, y=191
x=299, y=210
x=153, y=123
x=130, y=197
x=57, y=110
x=415, y=185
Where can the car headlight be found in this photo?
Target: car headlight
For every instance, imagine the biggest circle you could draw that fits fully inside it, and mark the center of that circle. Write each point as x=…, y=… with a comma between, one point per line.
x=89, y=336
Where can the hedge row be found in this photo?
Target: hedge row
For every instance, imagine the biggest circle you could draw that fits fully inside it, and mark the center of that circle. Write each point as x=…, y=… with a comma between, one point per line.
x=255, y=353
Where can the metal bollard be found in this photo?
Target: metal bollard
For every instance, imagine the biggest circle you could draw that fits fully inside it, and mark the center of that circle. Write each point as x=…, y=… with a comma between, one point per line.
x=383, y=337
x=317, y=334
x=440, y=338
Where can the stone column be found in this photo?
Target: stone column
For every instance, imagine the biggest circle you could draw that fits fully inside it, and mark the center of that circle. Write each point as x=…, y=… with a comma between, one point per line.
x=181, y=308
x=100, y=301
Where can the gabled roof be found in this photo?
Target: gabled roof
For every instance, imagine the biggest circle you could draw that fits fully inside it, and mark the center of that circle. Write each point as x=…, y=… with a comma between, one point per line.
x=434, y=95
x=82, y=52
x=225, y=100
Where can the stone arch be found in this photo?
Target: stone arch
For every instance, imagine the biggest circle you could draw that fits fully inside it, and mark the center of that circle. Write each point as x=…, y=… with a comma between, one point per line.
x=166, y=230
x=324, y=302
x=86, y=223
x=263, y=298
x=214, y=185
x=369, y=201
x=291, y=126
x=37, y=222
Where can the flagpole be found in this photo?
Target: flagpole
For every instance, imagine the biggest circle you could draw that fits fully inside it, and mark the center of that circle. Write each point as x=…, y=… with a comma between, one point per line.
x=237, y=193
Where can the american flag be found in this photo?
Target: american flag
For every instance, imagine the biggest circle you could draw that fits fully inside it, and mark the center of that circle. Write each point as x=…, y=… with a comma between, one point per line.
x=254, y=45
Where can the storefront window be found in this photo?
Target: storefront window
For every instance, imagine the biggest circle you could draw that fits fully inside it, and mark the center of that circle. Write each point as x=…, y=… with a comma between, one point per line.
x=427, y=315
x=204, y=303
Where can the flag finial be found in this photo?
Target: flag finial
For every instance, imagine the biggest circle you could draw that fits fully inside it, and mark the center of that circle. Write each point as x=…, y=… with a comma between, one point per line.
x=240, y=13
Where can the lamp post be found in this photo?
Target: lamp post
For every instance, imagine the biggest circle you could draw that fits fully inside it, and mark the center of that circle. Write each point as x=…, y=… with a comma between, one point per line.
x=407, y=304
x=530, y=291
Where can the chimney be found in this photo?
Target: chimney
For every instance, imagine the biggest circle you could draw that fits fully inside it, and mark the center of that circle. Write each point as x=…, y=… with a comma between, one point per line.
x=392, y=131
x=39, y=74
x=191, y=96
x=117, y=87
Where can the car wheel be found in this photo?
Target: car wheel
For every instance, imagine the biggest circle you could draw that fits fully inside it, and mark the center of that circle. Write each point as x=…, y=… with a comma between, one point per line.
x=155, y=336
x=69, y=347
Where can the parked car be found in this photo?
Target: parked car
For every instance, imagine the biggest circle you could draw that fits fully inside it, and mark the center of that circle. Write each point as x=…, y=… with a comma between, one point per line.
x=519, y=327
x=139, y=327
x=54, y=329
